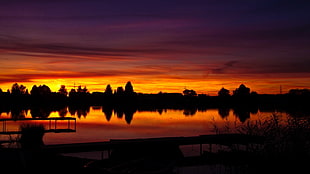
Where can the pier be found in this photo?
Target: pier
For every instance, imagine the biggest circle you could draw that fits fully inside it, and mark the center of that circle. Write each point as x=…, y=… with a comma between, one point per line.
x=52, y=124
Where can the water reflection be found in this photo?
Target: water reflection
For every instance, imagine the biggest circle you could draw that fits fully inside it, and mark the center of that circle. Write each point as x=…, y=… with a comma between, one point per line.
x=120, y=112
x=40, y=112
x=127, y=113
x=98, y=123
x=18, y=113
x=79, y=110
x=108, y=111
x=189, y=111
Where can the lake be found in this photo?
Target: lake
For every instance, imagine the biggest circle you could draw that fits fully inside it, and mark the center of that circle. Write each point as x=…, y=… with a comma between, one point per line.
x=96, y=123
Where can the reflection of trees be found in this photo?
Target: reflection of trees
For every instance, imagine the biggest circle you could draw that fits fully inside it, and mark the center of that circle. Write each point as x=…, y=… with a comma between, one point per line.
x=129, y=114
x=119, y=113
x=127, y=111
x=40, y=112
x=189, y=111
x=160, y=111
x=107, y=112
x=62, y=112
x=18, y=113
x=79, y=110
x=223, y=112
x=242, y=114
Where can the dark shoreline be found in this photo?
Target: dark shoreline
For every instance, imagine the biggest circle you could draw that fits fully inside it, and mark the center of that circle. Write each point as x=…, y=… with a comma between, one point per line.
x=141, y=153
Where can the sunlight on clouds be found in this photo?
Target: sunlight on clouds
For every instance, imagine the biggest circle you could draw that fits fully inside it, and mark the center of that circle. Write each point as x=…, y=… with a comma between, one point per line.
x=148, y=84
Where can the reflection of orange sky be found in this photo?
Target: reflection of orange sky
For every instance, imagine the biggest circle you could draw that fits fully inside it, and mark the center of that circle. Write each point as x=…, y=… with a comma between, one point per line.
x=144, y=124
x=209, y=85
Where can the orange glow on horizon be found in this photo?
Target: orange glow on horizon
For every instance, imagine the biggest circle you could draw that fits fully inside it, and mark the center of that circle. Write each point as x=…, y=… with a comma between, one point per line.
x=210, y=85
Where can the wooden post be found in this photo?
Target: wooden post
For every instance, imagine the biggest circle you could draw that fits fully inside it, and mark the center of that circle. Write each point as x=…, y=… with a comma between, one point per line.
x=210, y=147
x=109, y=152
x=4, y=126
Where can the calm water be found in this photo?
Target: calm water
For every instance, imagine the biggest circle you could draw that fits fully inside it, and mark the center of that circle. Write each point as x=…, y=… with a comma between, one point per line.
x=94, y=125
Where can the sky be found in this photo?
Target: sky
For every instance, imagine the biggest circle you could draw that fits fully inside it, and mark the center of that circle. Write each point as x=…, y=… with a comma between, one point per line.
x=158, y=45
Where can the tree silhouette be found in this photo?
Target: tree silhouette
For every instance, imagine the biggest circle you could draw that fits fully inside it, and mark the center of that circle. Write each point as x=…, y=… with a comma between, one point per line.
x=108, y=90
x=82, y=91
x=18, y=89
x=62, y=112
x=34, y=90
x=129, y=112
x=63, y=90
x=40, y=112
x=108, y=111
x=129, y=88
x=223, y=92
x=119, y=90
x=45, y=90
x=188, y=92
x=18, y=113
x=223, y=112
x=42, y=90
x=242, y=91
x=72, y=92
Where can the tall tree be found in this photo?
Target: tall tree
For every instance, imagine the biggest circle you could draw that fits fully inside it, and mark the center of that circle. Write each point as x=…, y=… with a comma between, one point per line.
x=242, y=91
x=108, y=90
x=18, y=89
x=223, y=92
x=44, y=90
x=129, y=88
x=63, y=90
x=119, y=90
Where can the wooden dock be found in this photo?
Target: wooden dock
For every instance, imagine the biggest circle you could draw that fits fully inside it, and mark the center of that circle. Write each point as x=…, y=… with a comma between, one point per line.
x=52, y=124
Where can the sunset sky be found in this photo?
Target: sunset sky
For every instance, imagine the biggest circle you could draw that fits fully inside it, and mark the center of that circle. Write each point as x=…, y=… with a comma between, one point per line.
x=158, y=45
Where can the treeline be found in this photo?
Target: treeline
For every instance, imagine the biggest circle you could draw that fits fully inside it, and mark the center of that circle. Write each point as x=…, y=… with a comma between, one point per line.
x=127, y=97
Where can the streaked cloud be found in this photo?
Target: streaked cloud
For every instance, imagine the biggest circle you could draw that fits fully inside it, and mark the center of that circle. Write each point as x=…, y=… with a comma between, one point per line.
x=181, y=43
